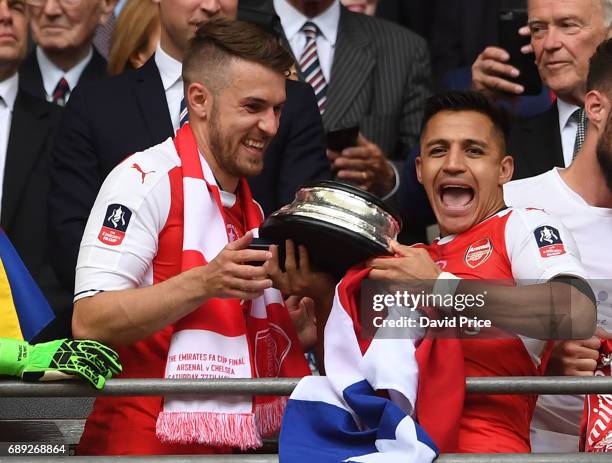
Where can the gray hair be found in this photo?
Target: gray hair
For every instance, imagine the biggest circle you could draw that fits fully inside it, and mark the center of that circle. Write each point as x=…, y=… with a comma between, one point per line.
x=606, y=6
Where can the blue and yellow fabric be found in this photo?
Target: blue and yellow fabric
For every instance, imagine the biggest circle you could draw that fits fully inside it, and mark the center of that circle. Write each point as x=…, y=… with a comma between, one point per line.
x=24, y=311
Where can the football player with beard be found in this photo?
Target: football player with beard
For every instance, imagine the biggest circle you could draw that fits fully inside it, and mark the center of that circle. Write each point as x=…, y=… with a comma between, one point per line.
x=167, y=241
x=581, y=196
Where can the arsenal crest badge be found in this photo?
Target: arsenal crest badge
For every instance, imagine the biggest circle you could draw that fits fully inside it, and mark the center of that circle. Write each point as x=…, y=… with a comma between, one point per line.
x=478, y=252
x=271, y=347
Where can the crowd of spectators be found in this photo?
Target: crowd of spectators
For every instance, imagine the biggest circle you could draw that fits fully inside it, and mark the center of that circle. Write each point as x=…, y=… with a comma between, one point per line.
x=86, y=83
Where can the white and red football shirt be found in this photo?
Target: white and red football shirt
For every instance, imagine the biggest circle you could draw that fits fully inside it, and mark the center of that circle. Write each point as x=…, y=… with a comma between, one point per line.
x=519, y=246
x=134, y=238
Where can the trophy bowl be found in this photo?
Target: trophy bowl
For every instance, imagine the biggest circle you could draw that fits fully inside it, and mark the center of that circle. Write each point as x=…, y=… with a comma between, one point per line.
x=339, y=224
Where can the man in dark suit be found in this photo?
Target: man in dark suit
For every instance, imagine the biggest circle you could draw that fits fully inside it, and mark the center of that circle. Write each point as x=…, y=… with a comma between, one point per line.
x=30, y=124
x=562, y=49
x=375, y=74
x=24, y=201
x=64, y=56
x=106, y=121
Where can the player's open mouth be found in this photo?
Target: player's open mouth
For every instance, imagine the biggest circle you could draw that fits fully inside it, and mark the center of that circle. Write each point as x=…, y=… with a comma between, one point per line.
x=255, y=145
x=456, y=197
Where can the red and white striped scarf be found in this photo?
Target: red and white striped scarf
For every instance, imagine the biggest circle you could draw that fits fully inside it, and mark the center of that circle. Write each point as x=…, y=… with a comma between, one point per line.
x=224, y=338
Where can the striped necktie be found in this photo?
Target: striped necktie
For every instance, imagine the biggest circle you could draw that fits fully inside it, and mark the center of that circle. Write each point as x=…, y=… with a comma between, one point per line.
x=103, y=35
x=311, y=67
x=579, y=116
x=184, y=114
x=60, y=94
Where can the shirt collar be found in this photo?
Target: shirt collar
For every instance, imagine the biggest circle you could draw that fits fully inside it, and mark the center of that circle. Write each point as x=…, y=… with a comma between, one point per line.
x=169, y=68
x=8, y=90
x=565, y=112
x=441, y=240
x=51, y=74
x=228, y=199
x=292, y=20
x=119, y=7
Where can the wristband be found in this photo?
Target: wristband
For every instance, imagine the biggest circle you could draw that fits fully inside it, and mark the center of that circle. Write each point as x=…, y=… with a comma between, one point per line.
x=445, y=284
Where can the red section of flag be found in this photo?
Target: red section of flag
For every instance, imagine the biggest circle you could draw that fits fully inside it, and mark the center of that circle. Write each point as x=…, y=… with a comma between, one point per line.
x=441, y=390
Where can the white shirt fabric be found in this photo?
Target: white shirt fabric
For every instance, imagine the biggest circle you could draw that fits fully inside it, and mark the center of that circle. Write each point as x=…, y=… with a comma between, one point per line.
x=8, y=93
x=292, y=21
x=568, y=129
x=523, y=248
x=171, y=76
x=555, y=427
x=51, y=74
x=145, y=204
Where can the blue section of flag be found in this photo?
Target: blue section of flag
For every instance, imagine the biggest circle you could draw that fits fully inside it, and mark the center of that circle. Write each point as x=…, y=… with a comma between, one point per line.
x=320, y=432
x=374, y=411
x=33, y=310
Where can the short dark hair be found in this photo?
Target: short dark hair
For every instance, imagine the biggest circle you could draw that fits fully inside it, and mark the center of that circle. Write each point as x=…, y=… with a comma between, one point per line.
x=600, y=70
x=219, y=40
x=468, y=101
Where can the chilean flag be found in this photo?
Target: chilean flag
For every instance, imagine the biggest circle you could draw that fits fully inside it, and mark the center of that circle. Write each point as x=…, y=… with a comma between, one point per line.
x=383, y=400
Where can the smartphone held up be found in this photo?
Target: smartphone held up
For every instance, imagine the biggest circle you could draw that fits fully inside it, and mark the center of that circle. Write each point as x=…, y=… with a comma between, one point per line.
x=339, y=139
x=510, y=21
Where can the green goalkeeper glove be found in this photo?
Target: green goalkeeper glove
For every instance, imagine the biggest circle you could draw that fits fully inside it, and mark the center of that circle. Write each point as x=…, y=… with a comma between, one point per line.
x=61, y=359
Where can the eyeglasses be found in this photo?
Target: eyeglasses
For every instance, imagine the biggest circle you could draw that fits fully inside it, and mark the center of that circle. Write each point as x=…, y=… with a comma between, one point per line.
x=63, y=3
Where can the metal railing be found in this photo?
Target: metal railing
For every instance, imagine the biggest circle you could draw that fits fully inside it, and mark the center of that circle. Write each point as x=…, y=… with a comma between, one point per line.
x=264, y=458
x=149, y=387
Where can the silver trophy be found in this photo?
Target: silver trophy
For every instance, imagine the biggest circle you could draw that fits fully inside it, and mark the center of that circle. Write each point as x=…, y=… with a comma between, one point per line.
x=339, y=224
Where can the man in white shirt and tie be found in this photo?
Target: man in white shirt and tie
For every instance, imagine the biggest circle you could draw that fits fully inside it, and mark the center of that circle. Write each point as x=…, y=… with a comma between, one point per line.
x=366, y=72
x=564, y=35
x=63, y=32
